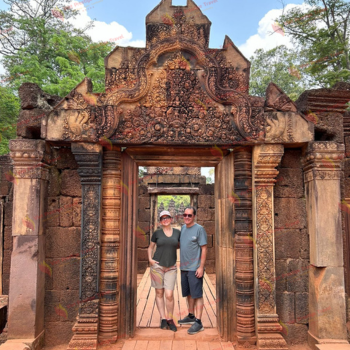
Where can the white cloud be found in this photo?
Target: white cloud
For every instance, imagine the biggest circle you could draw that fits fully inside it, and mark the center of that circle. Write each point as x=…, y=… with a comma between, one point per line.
x=102, y=31
x=269, y=34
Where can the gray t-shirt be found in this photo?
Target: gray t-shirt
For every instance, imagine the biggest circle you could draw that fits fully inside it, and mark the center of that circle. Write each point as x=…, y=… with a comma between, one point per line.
x=191, y=240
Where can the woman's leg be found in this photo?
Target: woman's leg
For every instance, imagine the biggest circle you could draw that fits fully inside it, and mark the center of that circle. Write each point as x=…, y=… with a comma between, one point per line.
x=169, y=299
x=160, y=302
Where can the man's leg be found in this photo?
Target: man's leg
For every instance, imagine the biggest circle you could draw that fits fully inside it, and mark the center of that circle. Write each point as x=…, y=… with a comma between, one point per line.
x=190, y=302
x=199, y=302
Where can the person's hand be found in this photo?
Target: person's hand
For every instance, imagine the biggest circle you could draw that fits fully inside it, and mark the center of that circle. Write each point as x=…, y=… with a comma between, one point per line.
x=200, y=272
x=153, y=262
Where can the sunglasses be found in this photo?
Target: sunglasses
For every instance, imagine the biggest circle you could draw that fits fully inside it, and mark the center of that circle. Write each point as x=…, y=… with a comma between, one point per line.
x=165, y=218
x=187, y=215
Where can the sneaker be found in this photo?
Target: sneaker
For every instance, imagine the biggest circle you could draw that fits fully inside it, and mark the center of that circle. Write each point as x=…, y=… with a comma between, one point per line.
x=172, y=326
x=195, y=328
x=187, y=320
x=164, y=324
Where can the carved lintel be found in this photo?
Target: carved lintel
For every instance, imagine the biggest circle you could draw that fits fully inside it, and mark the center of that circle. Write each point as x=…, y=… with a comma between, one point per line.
x=265, y=160
x=89, y=158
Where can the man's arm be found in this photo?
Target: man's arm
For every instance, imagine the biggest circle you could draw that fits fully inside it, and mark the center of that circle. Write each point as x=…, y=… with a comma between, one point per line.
x=200, y=270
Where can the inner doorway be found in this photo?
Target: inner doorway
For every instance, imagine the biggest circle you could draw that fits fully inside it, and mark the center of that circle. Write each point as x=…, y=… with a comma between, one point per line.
x=174, y=189
x=158, y=156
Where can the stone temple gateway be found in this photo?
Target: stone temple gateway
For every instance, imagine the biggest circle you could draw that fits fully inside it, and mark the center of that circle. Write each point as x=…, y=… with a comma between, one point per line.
x=281, y=193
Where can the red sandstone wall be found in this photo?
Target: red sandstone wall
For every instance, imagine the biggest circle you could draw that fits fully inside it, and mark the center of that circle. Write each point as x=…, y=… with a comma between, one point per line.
x=292, y=249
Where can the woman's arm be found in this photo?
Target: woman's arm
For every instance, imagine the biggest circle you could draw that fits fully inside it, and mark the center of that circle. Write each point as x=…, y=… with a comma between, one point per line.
x=149, y=252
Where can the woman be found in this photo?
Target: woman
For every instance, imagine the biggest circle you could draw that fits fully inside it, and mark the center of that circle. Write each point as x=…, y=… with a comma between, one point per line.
x=163, y=268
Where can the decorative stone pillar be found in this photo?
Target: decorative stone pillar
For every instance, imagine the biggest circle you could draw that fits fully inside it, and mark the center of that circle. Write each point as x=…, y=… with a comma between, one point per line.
x=110, y=241
x=244, y=246
x=89, y=158
x=27, y=282
x=327, y=306
x=265, y=159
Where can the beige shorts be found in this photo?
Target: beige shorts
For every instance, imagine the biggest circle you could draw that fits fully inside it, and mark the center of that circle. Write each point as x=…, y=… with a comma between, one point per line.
x=163, y=277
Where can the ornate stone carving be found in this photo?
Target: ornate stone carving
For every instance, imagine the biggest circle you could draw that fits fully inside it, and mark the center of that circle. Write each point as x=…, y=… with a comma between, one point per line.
x=110, y=240
x=85, y=330
x=323, y=161
x=266, y=158
x=244, y=247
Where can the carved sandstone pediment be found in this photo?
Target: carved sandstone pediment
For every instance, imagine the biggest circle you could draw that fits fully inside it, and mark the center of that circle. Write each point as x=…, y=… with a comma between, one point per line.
x=174, y=91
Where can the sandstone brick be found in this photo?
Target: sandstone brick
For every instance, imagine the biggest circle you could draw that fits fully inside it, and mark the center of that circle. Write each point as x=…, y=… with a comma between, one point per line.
x=289, y=184
x=206, y=201
x=65, y=275
x=8, y=241
x=302, y=308
x=144, y=203
x=8, y=207
x=62, y=242
x=142, y=255
x=206, y=214
x=298, y=276
x=6, y=264
x=142, y=266
x=66, y=211
x=144, y=215
x=290, y=213
x=57, y=333
x=70, y=183
x=52, y=216
x=70, y=301
x=211, y=254
x=46, y=267
x=305, y=245
x=210, y=239
x=5, y=283
x=295, y=333
x=54, y=183
x=285, y=307
x=29, y=122
x=287, y=243
x=291, y=159
x=52, y=302
x=142, y=242
x=210, y=266
x=143, y=190
x=347, y=146
x=281, y=279
x=206, y=189
x=66, y=159
x=209, y=227
x=77, y=212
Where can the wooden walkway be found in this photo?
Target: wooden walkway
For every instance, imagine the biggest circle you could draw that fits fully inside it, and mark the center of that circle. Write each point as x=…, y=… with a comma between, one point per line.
x=147, y=312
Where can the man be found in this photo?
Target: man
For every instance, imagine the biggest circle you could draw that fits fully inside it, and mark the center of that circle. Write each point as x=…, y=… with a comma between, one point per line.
x=193, y=253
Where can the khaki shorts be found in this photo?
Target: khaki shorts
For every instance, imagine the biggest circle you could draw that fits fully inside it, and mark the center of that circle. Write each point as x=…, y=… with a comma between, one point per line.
x=163, y=277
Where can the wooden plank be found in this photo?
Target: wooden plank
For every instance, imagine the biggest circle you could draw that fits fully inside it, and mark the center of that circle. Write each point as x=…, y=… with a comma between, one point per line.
x=177, y=292
x=209, y=302
x=154, y=321
x=142, y=284
x=212, y=288
x=215, y=345
x=173, y=190
x=141, y=345
x=178, y=345
x=166, y=344
x=227, y=346
x=145, y=320
x=190, y=345
x=129, y=345
x=202, y=345
x=154, y=345
x=143, y=301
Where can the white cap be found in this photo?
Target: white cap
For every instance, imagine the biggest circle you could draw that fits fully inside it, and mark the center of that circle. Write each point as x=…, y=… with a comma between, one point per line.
x=164, y=212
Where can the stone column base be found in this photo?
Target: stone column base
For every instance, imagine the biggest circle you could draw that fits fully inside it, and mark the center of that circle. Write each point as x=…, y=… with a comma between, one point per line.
x=24, y=344
x=314, y=342
x=269, y=334
x=85, y=335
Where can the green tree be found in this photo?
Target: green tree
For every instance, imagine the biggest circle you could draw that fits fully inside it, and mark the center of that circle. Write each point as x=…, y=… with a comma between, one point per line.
x=40, y=46
x=321, y=32
x=9, y=109
x=177, y=198
x=278, y=65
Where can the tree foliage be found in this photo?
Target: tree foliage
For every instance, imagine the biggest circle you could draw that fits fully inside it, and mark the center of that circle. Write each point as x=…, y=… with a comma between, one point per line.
x=177, y=198
x=9, y=109
x=278, y=65
x=321, y=32
x=43, y=48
